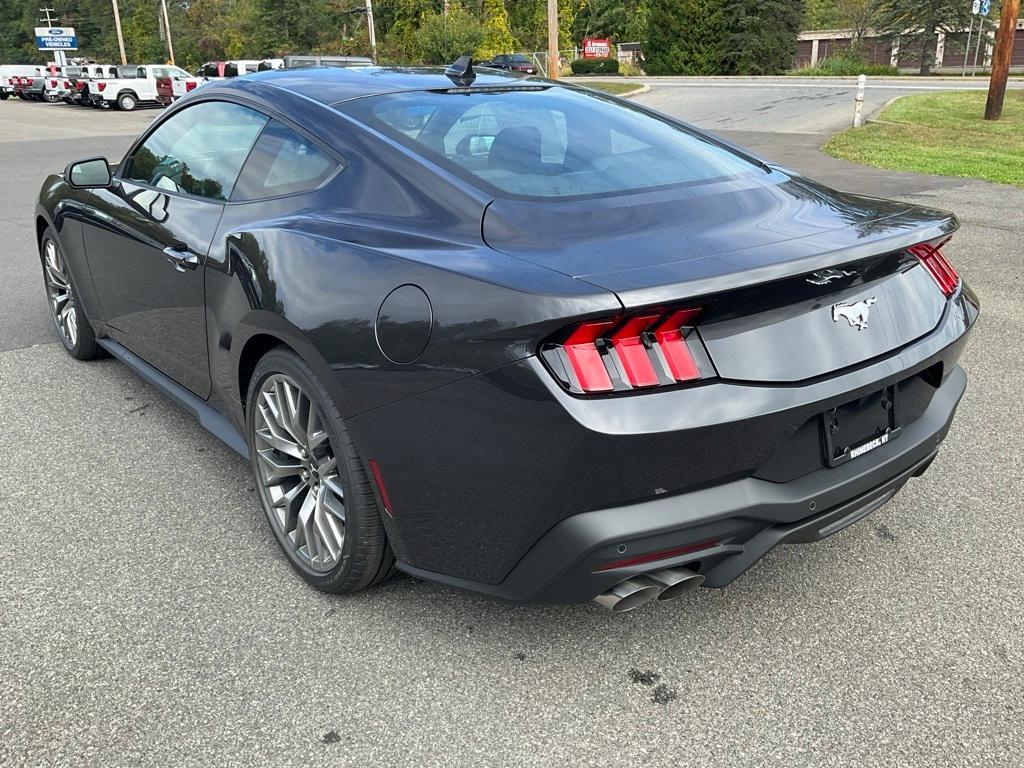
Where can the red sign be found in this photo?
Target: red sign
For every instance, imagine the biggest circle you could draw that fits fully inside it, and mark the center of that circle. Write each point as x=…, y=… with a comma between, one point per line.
x=596, y=49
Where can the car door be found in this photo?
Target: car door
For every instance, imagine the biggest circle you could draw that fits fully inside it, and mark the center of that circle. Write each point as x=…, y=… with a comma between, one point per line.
x=148, y=235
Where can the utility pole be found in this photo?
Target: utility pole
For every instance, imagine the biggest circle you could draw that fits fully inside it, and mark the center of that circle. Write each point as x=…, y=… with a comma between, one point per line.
x=167, y=29
x=58, y=56
x=1001, y=59
x=553, y=39
x=120, y=36
x=373, y=32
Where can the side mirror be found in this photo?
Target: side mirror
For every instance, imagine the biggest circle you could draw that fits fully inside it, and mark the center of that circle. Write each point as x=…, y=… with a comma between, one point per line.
x=93, y=173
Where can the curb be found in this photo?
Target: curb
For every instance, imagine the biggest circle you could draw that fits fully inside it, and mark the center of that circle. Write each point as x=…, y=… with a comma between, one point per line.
x=635, y=92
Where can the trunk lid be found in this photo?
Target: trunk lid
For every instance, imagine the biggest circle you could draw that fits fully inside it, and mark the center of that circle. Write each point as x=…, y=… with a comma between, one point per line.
x=754, y=252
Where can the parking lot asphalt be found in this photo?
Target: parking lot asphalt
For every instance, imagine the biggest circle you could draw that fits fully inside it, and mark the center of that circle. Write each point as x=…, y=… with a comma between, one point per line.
x=147, y=618
x=794, y=105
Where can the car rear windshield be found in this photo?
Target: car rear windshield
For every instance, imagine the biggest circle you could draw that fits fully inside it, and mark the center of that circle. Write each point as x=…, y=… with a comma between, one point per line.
x=547, y=142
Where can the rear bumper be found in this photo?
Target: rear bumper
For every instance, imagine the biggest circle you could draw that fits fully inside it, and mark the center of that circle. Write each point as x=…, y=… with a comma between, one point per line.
x=737, y=523
x=504, y=483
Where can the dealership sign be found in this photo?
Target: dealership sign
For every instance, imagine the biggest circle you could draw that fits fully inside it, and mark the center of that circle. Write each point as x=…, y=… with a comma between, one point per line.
x=56, y=39
x=596, y=49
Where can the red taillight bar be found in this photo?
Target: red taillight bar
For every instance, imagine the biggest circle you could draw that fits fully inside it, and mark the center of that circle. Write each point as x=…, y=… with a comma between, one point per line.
x=629, y=344
x=648, y=349
x=930, y=256
x=585, y=358
x=672, y=343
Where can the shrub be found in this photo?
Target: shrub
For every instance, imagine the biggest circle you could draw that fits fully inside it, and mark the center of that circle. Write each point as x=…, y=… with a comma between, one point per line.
x=845, y=64
x=607, y=66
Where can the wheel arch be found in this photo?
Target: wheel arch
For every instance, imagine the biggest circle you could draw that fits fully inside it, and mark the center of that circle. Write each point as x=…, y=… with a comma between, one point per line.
x=255, y=347
x=261, y=332
x=41, y=225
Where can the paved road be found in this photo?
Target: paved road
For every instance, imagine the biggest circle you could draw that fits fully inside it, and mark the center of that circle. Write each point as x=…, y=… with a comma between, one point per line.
x=147, y=618
x=782, y=105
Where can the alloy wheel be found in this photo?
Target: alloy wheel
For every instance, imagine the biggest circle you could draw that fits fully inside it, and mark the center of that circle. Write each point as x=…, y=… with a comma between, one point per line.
x=298, y=468
x=62, y=299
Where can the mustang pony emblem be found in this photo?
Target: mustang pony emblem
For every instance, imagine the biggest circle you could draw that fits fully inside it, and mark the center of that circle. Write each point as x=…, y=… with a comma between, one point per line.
x=826, y=276
x=856, y=314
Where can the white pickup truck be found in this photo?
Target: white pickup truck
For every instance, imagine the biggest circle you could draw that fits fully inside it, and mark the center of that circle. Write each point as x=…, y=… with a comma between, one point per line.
x=135, y=85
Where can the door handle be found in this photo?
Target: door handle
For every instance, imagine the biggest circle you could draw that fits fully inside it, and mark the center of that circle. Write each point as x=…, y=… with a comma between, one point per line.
x=182, y=259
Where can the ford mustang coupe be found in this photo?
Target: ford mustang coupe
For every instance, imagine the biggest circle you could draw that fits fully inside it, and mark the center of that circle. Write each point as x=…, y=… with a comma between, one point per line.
x=510, y=335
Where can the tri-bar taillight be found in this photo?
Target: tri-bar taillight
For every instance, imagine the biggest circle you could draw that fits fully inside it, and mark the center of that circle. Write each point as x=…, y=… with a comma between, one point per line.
x=930, y=256
x=649, y=348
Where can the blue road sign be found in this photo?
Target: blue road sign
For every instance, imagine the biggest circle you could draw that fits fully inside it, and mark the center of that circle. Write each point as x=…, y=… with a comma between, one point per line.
x=986, y=6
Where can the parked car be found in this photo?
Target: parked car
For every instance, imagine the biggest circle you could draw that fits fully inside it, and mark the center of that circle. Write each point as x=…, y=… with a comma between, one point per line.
x=11, y=72
x=511, y=62
x=135, y=85
x=218, y=70
x=53, y=84
x=575, y=350
x=30, y=87
x=77, y=78
x=314, y=60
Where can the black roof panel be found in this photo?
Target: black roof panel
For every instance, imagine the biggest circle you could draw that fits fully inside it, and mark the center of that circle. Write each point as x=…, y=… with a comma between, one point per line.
x=330, y=85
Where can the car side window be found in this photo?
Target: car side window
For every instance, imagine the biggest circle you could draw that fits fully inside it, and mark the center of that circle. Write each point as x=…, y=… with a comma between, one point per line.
x=198, y=151
x=282, y=162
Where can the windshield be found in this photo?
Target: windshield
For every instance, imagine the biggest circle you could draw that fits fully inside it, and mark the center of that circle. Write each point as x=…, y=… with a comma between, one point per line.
x=547, y=143
x=518, y=58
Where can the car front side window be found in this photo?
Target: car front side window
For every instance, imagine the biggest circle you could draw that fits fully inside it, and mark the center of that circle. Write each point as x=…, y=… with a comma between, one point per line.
x=198, y=151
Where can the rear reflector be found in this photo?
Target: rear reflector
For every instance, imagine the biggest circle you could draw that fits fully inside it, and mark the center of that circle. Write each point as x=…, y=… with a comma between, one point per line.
x=654, y=347
x=930, y=255
x=655, y=556
x=378, y=478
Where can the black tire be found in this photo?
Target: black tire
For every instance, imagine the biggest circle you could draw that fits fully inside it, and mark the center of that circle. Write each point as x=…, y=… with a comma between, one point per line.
x=84, y=346
x=366, y=558
x=127, y=101
x=3, y=95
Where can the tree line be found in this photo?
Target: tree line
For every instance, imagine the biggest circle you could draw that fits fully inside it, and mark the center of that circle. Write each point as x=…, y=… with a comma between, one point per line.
x=698, y=37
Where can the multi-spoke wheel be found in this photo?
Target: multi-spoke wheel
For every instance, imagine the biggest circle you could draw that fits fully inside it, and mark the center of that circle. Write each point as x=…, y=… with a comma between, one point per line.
x=314, y=489
x=299, y=470
x=69, y=318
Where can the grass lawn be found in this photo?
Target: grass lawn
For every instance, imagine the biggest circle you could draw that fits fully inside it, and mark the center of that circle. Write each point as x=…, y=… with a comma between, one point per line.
x=616, y=89
x=942, y=134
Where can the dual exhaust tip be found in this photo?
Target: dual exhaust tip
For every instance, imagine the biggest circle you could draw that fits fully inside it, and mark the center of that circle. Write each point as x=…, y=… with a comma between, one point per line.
x=666, y=584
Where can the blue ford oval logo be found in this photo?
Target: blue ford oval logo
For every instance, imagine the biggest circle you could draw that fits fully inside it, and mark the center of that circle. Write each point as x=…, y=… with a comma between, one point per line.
x=56, y=31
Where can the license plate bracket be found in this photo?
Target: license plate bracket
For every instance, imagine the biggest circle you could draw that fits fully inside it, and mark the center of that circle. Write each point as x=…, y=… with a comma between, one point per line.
x=860, y=426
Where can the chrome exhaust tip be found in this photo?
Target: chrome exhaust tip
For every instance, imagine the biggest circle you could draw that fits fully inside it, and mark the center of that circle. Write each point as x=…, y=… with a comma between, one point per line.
x=627, y=595
x=674, y=582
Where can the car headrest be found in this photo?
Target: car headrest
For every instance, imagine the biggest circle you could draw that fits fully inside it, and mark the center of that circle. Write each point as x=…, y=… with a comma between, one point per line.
x=516, y=149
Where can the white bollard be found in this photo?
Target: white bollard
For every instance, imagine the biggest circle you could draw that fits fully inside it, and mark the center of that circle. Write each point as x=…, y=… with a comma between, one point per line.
x=858, y=102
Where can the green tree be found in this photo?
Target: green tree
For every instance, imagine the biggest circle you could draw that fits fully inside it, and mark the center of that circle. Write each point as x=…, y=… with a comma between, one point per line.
x=860, y=17
x=607, y=18
x=916, y=23
x=684, y=37
x=761, y=36
x=498, y=36
x=822, y=14
x=442, y=40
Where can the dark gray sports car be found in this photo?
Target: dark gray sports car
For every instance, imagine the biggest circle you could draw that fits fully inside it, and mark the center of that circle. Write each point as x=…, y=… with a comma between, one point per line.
x=511, y=335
